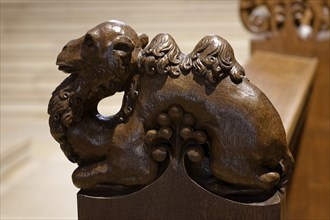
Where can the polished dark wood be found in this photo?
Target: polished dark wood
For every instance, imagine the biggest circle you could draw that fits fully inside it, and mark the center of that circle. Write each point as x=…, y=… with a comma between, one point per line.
x=174, y=196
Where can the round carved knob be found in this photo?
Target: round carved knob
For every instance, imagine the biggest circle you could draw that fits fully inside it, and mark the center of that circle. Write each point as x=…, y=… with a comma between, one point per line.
x=195, y=154
x=159, y=154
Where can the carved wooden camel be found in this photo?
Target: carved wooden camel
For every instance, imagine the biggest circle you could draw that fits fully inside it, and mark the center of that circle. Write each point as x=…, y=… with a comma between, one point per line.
x=198, y=111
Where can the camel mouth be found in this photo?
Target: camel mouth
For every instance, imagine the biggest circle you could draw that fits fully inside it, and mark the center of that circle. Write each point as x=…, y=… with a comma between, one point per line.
x=66, y=68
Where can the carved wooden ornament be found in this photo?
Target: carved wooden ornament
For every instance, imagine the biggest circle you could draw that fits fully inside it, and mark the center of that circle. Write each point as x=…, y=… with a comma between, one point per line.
x=306, y=19
x=196, y=112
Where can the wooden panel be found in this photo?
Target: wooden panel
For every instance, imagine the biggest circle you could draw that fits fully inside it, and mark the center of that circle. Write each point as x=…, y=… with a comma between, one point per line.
x=174, y=196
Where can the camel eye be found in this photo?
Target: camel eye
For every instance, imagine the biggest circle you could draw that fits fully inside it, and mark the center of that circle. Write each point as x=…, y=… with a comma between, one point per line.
x=89, y=42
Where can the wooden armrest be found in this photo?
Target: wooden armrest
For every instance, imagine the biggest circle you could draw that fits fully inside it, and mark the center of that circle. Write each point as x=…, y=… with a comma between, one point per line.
x=286, y=80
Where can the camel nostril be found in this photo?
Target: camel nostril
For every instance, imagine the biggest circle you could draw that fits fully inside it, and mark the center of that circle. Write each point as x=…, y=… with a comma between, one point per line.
x=65, y=47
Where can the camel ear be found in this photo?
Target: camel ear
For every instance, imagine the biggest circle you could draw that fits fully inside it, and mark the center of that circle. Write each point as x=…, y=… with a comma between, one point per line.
x=144, y=39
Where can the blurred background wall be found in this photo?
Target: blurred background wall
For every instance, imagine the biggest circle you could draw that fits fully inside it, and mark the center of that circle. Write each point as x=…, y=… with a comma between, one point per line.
x=35, y=175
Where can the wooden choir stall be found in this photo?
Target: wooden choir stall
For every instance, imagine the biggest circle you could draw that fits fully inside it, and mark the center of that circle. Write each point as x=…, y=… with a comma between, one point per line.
x=198, y=135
